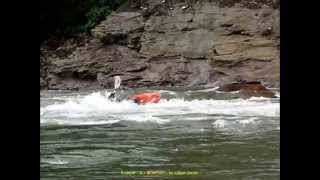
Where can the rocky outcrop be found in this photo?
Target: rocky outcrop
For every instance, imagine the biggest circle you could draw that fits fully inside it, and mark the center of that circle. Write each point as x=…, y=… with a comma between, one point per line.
x=248, y=88
x=191, y=43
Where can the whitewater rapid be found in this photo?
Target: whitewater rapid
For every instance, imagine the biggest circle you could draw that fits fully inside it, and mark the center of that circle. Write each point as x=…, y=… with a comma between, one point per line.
x=96, y=109
x=83, y=133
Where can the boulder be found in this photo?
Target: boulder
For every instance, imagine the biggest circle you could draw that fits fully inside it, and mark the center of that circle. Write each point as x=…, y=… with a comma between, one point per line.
x=248, y=88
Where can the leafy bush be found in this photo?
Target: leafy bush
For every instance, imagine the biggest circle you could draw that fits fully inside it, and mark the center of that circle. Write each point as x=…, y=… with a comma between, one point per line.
x=99, y=9
x=65, y=18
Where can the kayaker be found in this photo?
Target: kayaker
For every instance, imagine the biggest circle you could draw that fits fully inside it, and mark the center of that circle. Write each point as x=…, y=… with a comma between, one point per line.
x=140, y=98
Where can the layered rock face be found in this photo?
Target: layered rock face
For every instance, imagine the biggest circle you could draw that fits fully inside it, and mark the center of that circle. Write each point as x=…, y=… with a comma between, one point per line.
x=186, y=43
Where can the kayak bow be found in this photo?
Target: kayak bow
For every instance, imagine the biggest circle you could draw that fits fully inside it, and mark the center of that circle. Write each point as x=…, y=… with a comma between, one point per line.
x=145, y=98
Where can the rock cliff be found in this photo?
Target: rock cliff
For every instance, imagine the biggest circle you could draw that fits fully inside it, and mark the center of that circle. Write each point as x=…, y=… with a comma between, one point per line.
x=183, y=43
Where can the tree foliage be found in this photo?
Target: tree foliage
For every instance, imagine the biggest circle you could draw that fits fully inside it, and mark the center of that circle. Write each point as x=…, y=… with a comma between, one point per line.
x=65, y=18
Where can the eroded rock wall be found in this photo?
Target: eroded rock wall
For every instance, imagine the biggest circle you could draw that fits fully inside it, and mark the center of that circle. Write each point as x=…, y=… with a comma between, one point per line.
x=188, y=43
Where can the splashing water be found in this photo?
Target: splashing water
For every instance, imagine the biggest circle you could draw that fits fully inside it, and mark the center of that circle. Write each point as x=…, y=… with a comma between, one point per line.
x=86, y=136
x=96, y=107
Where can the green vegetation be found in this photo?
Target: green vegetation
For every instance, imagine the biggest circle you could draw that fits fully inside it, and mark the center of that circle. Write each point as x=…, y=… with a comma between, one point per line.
x=64, y=18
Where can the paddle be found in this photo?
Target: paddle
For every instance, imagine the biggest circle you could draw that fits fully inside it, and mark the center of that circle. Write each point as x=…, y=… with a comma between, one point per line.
x=117, y=83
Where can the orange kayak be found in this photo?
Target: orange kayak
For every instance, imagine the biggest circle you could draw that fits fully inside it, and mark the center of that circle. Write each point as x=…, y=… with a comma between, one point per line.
x=145, y=98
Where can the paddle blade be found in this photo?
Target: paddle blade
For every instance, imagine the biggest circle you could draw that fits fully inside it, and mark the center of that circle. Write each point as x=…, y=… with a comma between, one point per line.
x=117, y=82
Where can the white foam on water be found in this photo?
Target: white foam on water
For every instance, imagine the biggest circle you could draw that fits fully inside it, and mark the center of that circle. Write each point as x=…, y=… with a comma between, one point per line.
x=219, y=123
x=95, y=108
x=76, y=122
x=196, y=118
x=248, y=121
x=168, y=92
x=227, y=124
x=56, y=162
x=205, y=90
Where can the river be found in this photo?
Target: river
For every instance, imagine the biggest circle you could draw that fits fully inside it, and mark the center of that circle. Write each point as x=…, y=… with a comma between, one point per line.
x=197, y=134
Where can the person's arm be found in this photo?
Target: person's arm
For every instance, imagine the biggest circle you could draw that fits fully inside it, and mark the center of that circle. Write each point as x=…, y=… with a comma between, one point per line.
x=112, y=95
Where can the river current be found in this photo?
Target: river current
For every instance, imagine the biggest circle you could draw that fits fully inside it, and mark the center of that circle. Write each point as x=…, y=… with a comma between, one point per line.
x=189, y=134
